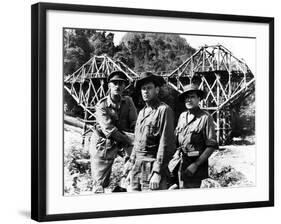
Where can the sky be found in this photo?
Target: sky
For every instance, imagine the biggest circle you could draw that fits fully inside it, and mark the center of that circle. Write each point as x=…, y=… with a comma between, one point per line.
x=242, y=48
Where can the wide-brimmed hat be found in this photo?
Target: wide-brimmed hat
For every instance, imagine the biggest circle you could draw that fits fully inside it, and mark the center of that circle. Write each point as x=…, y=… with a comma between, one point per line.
x=191, y=88
x=149, y=77
x=117, y=76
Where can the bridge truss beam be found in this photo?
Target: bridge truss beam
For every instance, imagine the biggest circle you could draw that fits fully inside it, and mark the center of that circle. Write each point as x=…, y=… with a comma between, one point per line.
x=226, y=80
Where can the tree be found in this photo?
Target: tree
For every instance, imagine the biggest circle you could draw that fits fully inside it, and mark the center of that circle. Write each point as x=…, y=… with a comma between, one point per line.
x=82, y=44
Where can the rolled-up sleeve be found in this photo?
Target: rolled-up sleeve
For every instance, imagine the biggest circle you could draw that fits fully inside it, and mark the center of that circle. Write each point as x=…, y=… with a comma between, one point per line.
x=210, y=133
x=166, y=147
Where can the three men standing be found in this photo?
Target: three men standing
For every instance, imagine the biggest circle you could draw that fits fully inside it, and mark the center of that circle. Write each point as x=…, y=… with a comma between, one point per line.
x=151, y=160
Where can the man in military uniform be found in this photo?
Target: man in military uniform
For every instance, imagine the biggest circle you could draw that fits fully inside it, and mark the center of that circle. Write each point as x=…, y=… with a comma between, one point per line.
x=115, y=114
x=154, y=143
x=195, y=139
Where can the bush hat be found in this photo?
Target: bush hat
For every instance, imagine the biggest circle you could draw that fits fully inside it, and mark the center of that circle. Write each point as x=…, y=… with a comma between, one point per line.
x=149, y=77
x=191, y=88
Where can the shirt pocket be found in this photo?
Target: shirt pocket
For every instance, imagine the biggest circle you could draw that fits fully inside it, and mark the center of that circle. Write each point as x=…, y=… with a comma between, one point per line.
x=153, y=128
x=151, y=134
x=195, y=137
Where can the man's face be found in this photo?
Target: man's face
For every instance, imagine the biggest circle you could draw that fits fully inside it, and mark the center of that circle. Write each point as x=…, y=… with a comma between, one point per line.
x=116, y=87
x=149, y=91
x=192, y=100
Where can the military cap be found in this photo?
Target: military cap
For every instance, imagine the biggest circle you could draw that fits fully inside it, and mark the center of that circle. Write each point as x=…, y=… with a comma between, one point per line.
x=117, y=76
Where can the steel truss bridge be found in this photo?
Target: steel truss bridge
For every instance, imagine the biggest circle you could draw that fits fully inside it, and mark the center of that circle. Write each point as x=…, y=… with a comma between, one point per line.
x=226, y=80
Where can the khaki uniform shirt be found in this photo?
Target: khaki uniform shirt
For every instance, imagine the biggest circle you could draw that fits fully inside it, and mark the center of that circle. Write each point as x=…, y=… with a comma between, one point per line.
x=154, y=135
x=194, y=137
x=110, y=118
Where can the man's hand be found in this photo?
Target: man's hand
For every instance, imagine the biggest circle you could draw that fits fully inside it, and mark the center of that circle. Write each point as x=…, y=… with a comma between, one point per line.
x=191, y=169
x=154, y=181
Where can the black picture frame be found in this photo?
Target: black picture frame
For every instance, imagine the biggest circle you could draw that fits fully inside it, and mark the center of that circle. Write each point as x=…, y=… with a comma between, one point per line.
x=39, y=114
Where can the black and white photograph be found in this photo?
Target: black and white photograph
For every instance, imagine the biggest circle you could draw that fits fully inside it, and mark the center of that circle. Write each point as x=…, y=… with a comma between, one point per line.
x=140, y=112
x=148, y=111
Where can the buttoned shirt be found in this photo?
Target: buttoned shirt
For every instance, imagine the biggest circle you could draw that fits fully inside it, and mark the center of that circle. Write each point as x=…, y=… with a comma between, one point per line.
x=113, y=117
x=194, y=133
x=154, y=135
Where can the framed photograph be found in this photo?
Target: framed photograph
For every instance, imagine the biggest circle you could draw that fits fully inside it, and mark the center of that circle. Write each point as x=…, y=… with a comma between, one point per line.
x=140, y=111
